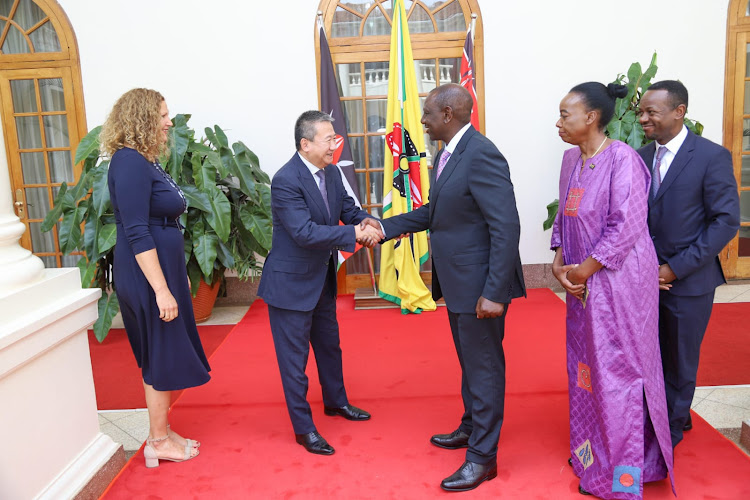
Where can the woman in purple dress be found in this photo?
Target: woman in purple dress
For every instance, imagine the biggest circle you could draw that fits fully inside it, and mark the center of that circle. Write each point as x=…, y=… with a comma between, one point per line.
x=605, y=260
x=149, y=265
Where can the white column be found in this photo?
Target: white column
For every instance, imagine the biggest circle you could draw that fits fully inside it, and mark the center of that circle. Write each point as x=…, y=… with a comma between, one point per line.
x=18, y=266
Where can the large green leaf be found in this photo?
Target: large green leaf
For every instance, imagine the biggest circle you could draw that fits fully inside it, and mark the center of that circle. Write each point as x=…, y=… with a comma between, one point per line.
x=615, y=130
x=194, y=275
x=179, y=136
x=636, y=136
x=196, y=198
x=551, y=214
x=242, y=168
x=220, y=216
x=258, y=223
x=204, y=249
x=649, y=74
x=204, y=174
x=88, y=145
x=100, y=190
x=70, y=229
x=215, y=160
x=107, y=237
x=108, y=307
x=90, y=236
x=88, y=270
x=57, y=207
x=225, y=256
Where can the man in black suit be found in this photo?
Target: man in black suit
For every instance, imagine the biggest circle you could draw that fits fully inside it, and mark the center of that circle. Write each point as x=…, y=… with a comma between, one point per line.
x=474, y=228
x=693, y=214
x=299, y=276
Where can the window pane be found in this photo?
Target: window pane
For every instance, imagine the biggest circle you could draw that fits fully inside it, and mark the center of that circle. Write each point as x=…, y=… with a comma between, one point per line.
x=15, y=43
x=361, y=185
x=426, y=74
x=32, y=165
x=450, y=70
x=747, y=62
x=353, y=114
x=377, y=110
x=350, y=79
x=360, y=6
x=51, y=93
x=357, y=263
x=357, y=145
x=37, y=202
x=744, y=247
x=60, y=166
x=451, y=18
x=45, y=39
x=744, y=206
x=344, y=24
x=24, y=96
x=50, y=261
x=420, y=21
x=29, y=135
x=41, y=242
x=747, y=9
x=70, y=260
x=376, y=24
x=28, y=14
x=5, y=6
x=376, y=152
x=56, y=131
x=376, y=187
x=376, y=78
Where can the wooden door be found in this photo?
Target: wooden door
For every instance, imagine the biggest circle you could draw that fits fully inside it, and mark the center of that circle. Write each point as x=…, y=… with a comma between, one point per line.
x=41, y=129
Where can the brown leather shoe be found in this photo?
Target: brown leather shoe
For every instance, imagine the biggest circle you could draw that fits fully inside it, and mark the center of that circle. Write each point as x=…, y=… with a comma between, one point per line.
x=453, y=441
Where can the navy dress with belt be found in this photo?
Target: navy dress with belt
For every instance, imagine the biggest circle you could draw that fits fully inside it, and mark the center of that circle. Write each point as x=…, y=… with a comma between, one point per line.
x=147, y=204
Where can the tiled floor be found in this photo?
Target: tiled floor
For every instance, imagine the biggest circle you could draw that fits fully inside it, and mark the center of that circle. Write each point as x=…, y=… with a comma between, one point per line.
x=725, y=408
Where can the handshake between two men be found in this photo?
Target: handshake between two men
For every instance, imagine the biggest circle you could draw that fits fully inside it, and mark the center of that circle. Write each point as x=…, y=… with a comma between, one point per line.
x=369, y=232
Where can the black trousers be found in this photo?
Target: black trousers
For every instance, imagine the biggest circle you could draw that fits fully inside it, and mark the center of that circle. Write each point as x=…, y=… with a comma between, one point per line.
x=682, y=325
x=479, y=345
x=293, y=334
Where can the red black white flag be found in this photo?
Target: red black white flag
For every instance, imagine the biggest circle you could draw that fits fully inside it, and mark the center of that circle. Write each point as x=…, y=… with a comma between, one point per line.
x=468, y=77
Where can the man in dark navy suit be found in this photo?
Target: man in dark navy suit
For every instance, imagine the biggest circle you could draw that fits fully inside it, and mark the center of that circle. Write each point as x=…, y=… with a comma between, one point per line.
x=693, y=214
x=308, y=199
x=474, y=230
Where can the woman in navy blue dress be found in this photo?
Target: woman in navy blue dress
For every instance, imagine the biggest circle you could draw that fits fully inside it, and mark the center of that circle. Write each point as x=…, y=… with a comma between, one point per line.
x=149, y=265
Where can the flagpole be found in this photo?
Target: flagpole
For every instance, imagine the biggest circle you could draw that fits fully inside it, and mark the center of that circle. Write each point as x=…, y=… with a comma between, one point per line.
x=473, y=24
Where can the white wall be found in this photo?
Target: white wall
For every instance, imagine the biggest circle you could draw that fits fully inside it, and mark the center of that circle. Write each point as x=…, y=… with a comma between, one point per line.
x=223, y=62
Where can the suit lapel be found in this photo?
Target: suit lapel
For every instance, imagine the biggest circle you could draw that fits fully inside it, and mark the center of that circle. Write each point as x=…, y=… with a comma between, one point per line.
x=450, y=167
x=648, y=159
x=311, y=186
x=680, y=161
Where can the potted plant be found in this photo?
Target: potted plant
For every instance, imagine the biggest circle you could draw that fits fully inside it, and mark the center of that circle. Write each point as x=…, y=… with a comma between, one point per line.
x=227, y=225
x=624, y=125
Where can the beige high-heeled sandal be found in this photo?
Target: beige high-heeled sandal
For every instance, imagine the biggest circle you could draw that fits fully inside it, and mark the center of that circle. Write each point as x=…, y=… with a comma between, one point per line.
x=190, y=442
x=152, y=459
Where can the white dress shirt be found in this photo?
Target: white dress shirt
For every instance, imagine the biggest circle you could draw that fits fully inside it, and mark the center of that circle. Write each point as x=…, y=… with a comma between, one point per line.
x=312, y=168
x=673, y=147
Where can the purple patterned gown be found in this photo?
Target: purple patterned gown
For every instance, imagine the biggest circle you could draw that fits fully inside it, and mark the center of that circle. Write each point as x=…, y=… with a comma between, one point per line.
x=619, y=430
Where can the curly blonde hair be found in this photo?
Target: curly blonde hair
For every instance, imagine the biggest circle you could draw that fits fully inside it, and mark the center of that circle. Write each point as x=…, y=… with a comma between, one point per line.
x=134, y=122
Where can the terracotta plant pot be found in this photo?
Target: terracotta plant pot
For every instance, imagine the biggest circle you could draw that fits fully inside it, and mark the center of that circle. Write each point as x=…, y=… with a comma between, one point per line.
x=204, y=300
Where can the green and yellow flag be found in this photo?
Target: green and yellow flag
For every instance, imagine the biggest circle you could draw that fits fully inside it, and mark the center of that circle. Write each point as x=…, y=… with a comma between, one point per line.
x=406, y=183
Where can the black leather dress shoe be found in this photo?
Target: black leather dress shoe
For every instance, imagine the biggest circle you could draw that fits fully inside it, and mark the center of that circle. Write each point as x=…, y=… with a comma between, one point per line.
x=315, y=443
x=349, y=412
x=453, y=441
x=469, y=476
x=688, y=424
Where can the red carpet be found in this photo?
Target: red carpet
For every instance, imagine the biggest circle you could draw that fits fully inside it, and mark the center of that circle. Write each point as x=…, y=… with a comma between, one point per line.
x=725, y=352
x=403, y=369
x=117, y=379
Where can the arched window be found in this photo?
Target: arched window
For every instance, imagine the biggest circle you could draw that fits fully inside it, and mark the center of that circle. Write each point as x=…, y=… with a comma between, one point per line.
x=736, y=257
x=359, y=37
x=41, y=106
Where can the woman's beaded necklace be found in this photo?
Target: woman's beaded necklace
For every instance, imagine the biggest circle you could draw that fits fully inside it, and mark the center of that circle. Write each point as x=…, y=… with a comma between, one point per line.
x=172, y=183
